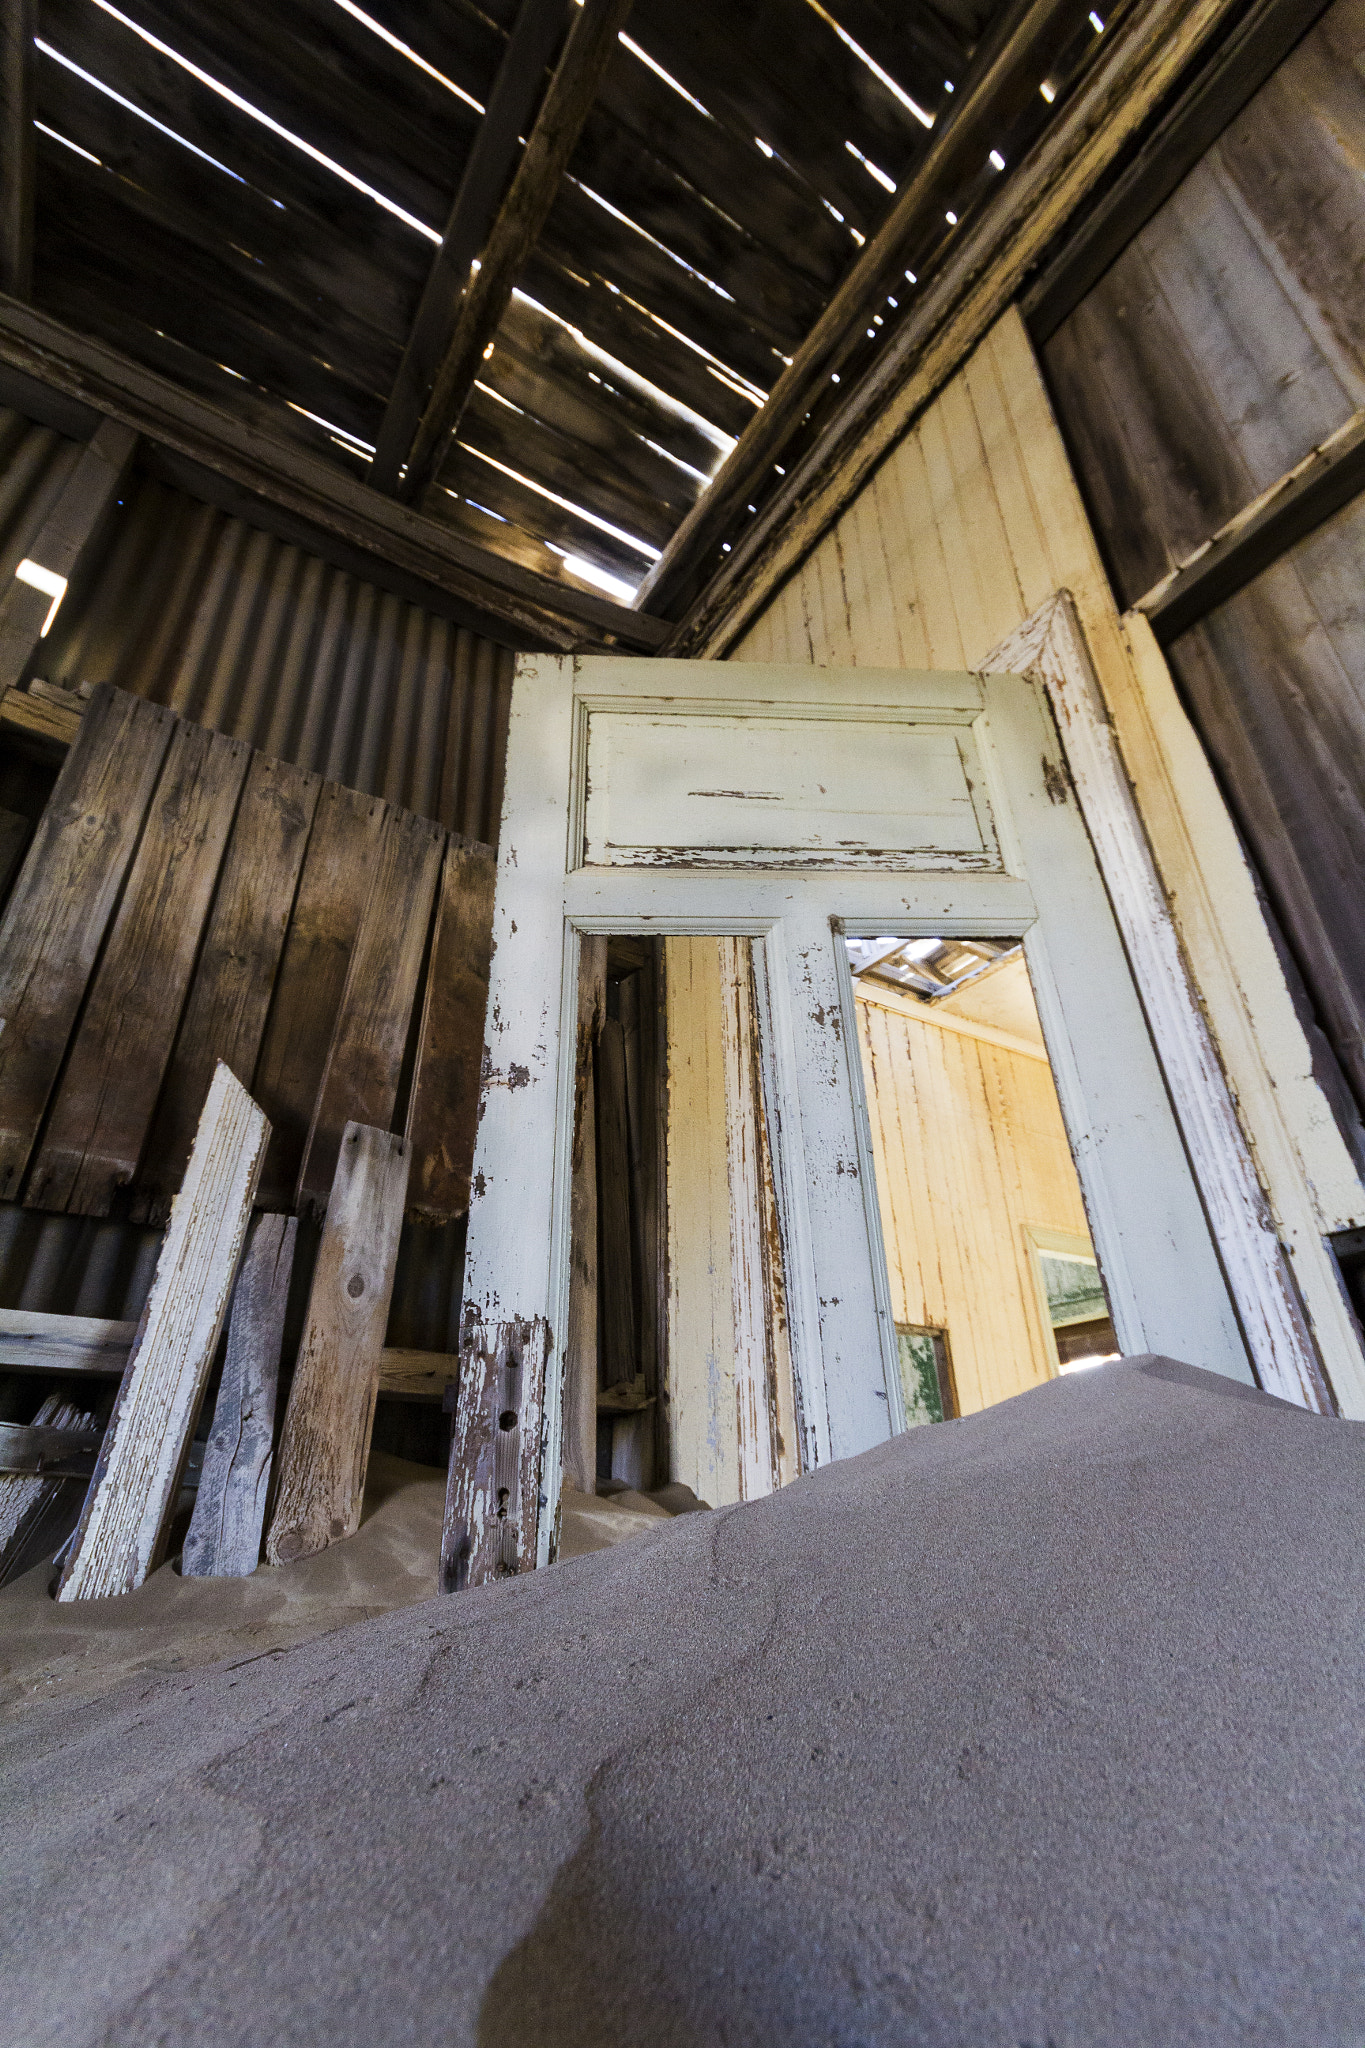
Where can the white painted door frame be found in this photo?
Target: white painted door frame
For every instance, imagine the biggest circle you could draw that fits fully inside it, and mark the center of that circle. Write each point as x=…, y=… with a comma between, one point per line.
x=1038, y=879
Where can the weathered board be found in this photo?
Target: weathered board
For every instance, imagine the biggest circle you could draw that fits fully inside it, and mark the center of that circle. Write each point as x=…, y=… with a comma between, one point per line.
x=224, y=1537
x=620, y=1360
x=37, y=1512
x=444, y=1105
x=325, y=1445
x=337, y=872
x=62, y=902
x=103, y=1107
x=579, y=1448
x=123, y=1524
x=493, y=1489
x=365, y=1058
x=230, y=995
x=36, y=1342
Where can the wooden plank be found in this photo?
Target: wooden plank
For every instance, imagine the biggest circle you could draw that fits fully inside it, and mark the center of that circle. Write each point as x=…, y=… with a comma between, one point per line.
x=229, y=998
x=35, y=1342
x=124, y=1523
x=444, y=1107
x=579, y=1446
x=18, y=23
x=103, y=1107
x=36, y=718
x=224, y=1538
x=494, y=1486
x=520, y=79
x=337, y=872
x=61, y=905
x=365, y=1058
x=325, y=1446
x=37, y=1512
x=620, y=1361
x=313, y=489
x=417, y=1375
x=46, y=1448
x=588, y=48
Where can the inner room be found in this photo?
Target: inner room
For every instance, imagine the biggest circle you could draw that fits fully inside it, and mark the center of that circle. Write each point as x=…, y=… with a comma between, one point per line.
x=994, y=1283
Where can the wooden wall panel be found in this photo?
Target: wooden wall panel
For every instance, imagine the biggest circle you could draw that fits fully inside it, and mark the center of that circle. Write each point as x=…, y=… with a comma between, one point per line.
x=971, y=524
x=1228, y=340
x=969, y=1149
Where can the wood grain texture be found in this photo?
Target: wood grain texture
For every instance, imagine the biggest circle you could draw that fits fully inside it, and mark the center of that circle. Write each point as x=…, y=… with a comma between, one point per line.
x=365, y=1058
x=124, y=1522
x=338, y=870
x=234, y=978
x=224, y=1536
x=35, y=1342
x=103, y=1107
x=65, y=1453
x=494, y=1486
x=62, y=903
x=325, y=1446
x=444, y=1106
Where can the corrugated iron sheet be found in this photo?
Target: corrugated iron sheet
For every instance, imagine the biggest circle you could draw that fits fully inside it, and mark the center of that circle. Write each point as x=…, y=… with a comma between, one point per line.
x=258, y=639
x=34, y=465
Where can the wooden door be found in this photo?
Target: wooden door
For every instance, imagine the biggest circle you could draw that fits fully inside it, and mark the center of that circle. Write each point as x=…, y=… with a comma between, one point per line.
x=792, y=806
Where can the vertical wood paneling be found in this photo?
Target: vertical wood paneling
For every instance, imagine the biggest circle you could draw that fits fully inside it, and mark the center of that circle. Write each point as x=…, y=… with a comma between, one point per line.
x=1026, y=536
x=969, y=1148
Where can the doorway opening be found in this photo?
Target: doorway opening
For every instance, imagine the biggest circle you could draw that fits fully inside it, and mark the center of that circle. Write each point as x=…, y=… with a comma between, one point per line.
x=678, y=1375
x=994, y=1281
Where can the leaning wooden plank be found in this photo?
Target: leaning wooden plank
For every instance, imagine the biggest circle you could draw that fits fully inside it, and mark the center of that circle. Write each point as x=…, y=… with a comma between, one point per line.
x=38, y=1511
x=123, y=1525
x=326, y=1443
x=36, y=1342
x=224, y=1539
x=620, y=1362
x=578, y=1453
x=365, y=1058
x=337, y=871
x=62, y=902
x=99, y=1120
x=444, y=1108
x=494, y=1489
x=230, y=995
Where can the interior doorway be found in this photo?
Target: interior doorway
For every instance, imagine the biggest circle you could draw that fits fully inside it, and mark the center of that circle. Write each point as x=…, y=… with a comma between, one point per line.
x=995, y=1284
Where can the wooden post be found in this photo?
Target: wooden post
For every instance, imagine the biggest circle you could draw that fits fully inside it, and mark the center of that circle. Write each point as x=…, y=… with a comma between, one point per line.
x=326, y=1443
x=494, y=1487
x=579, y=1452
x=443, y=1112
x=123, y=1525
x=66, y=533
x=224, y=1540
x=616, y=1275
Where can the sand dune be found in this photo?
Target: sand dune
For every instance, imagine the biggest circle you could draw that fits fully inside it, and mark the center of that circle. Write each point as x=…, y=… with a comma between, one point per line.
x=1043, y=1726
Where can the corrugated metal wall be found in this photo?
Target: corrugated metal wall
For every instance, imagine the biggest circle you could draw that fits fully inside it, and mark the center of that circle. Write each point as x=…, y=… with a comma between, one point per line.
x=257, y=638
x=236, y=630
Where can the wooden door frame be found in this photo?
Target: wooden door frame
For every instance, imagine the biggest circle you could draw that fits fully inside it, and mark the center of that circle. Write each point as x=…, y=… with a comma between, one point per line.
x=1167, y=1280
x=1050, y=646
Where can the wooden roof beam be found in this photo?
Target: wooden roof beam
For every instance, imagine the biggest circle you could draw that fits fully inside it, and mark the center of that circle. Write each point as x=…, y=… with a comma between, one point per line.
x=535, y=34
x=537, y=611
x=18, y=20
x=1006, y=74
x=568, y=100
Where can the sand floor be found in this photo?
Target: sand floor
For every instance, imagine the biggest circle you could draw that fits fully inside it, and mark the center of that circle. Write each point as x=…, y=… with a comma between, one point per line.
x=1040, y=1727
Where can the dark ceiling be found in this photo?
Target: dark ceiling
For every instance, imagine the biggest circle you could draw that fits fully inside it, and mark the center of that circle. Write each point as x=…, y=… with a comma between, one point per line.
x=248, y=198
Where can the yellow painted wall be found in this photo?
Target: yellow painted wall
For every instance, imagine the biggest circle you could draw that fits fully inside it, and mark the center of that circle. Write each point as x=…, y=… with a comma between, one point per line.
x=969, y=1149
x=970, y=525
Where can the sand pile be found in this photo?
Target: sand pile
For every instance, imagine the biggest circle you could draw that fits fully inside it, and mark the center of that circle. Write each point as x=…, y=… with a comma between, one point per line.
x=1044, y=1726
